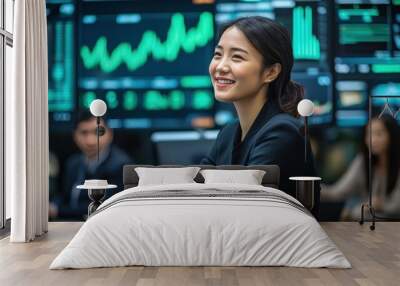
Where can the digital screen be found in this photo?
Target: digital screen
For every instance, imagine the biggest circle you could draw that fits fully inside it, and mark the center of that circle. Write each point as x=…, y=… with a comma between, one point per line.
x=364, y=29
x=138, y=64
x=150, y=62
x=368, y=37
x=61, y=61
x=351, y=103
x=367, y=59
x=353, y=96
x=387, y=98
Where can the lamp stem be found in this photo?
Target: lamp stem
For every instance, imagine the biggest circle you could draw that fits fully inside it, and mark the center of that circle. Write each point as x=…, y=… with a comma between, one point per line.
x=98, y=140
x=305, y=140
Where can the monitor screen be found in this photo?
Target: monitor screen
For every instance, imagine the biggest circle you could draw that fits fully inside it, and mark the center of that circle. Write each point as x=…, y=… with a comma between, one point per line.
x=149, y=62
x=353, y=100
x=61, y=62
x=367, y=57
x=367, y=28
x=151, y=68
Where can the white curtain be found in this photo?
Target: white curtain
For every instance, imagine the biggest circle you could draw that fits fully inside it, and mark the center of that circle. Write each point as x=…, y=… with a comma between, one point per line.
x=27, y=149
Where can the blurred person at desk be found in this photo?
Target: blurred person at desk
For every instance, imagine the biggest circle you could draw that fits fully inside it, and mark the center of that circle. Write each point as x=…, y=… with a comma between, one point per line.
x=73, y=202
x=353, y=185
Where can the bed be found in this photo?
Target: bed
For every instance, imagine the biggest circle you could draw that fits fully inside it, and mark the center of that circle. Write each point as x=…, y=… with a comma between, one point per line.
x=201, y=224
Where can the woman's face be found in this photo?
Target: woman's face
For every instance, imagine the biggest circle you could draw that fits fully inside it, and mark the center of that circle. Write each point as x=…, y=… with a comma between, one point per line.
x=236, y=69
x=380, y=138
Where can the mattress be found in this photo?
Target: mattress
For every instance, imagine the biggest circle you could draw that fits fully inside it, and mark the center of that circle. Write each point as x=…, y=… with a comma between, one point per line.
x=201, y=225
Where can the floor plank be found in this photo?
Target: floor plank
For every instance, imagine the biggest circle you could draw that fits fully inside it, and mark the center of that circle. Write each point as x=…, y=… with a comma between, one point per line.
x=374, y=255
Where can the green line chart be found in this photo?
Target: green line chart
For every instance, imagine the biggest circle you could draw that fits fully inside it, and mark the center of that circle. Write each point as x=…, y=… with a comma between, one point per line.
x=178, y=39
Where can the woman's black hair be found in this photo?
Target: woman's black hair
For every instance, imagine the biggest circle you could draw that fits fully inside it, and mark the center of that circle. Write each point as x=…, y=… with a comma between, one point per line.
x=393, y=152
x=272, y=41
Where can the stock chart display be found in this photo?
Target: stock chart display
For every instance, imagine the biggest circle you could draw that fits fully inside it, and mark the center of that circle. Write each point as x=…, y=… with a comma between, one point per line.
x=149, y=60
x=367, y=57
x=153, y=72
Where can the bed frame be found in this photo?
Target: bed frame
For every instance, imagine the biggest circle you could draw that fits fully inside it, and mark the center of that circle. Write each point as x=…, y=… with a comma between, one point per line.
x=270, y=179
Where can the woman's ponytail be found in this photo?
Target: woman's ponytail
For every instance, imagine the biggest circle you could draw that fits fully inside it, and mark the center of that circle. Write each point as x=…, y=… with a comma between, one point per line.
x=291, y=95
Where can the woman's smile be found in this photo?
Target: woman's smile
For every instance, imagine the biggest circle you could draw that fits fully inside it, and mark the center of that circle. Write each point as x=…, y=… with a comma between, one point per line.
x=223, y=83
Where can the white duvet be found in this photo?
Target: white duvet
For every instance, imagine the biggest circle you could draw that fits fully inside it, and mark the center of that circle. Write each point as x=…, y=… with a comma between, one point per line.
x=183, y=231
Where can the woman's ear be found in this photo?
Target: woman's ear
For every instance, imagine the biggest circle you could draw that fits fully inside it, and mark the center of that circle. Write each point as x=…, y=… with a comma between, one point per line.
x=272, y=72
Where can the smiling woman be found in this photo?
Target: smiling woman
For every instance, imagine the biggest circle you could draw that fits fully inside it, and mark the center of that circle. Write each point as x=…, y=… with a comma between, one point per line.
x=251, y=68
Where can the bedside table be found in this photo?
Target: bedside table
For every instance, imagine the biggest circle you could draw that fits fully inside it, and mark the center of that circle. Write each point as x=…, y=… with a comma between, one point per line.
x=305, y=190
x=96, y=195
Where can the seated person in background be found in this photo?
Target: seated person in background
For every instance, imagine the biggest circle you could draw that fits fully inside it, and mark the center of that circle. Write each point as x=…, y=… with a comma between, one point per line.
x=251, y=68
x=73, y=203
x=353, y=186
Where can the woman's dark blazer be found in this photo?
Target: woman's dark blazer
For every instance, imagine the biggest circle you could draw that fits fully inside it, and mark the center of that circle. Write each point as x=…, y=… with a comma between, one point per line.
x=274, y=138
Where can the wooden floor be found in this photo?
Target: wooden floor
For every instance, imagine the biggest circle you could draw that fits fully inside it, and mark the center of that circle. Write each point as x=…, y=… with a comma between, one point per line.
x=374, y=255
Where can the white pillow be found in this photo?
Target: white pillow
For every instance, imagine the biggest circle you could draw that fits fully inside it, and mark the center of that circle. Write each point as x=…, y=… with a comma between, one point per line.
x=163, y=176
x=248, y=177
